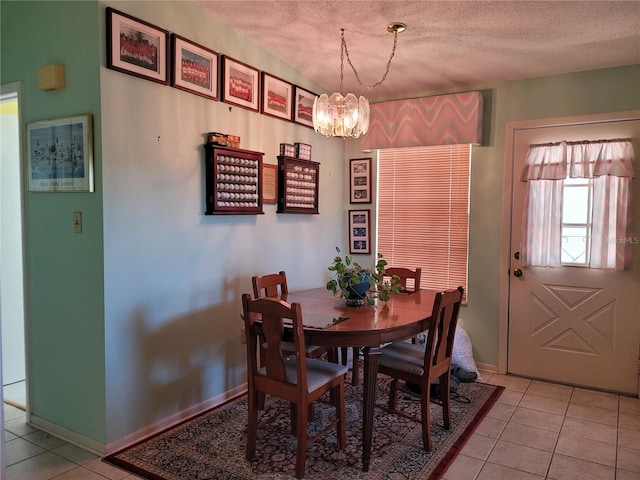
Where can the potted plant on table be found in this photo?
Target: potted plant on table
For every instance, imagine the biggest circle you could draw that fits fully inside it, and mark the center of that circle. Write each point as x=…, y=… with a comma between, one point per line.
x=356, y=284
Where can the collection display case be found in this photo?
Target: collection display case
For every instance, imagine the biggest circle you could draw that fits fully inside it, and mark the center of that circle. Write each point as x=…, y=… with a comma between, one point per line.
x=297, y=185
x=233, y=181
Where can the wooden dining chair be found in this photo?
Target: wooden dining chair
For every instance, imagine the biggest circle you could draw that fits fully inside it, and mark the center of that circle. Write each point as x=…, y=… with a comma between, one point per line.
x=410, y=281
x=274, y=285
x=295, y=378
x=424, y=365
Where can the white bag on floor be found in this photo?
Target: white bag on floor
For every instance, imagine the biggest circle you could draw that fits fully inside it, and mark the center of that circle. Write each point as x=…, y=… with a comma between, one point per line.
x=463, y=350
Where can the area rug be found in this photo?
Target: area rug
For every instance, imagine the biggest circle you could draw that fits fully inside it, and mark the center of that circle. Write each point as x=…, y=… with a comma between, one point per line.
x=212, y=445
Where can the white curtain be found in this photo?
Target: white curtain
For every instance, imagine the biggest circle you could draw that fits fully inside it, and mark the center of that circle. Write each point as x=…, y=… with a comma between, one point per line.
x=609, y=163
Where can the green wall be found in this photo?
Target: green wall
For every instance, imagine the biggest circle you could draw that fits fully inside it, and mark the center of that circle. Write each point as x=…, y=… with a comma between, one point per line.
x=64, y=270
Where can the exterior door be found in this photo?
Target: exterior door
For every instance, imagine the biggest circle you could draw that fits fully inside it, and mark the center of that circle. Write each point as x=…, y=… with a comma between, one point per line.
x=573, y=324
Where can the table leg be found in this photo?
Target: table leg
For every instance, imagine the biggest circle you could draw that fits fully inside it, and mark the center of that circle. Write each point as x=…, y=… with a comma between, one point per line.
x=371, y=357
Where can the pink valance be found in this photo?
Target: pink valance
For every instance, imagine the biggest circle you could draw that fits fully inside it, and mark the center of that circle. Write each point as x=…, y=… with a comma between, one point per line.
x=439, y=120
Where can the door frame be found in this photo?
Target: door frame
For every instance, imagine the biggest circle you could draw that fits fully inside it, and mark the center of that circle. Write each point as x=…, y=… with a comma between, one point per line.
x=507, y=205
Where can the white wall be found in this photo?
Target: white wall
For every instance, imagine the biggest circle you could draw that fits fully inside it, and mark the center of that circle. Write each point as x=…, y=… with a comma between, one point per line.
x=173, y=276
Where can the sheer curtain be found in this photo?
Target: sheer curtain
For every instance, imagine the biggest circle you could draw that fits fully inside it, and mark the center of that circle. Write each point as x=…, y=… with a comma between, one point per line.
x=609, y=164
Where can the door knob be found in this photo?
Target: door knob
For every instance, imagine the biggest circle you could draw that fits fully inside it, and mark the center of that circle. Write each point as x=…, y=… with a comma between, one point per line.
x=517, y=272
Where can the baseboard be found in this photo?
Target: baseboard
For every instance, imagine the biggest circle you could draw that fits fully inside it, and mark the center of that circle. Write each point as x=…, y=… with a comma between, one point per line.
x=487, y=367
x=101, y=449
x=67, y=435
x=175, y=419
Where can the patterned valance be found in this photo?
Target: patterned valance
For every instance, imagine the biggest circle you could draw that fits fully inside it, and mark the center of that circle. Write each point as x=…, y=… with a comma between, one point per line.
x=440, y=120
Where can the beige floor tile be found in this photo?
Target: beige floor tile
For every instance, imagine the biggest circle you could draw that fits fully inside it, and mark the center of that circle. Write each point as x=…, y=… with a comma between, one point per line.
x=551, y=390
x=630, y=422
x=530, y=436
x=510, y=397
x=44, y=440
x=595, y=399
x=80, y=473
x=629, y=405
x=463, y=468
x=585, y=449
x=570, y=468
x=74, y=454
x=11, y=412
x=629, y=438
x=535, y=418
x=478, y=446
x=41, y=467
x=19, y=426
x=624, y=475
x=490, y=427
x=591, y=430
x=105, y=469
x=544, y=404
x=501, y=411
x=491, y=471
x=516, y=384
x=520, y=457
x=19, y=449
x=628, y=459
x=593, y=414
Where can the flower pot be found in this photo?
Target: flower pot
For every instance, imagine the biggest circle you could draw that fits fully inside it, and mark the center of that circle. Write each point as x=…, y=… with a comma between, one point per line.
x=356, y=294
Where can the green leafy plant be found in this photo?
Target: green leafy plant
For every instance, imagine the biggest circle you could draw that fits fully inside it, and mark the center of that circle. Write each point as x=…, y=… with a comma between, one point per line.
x=357, y=284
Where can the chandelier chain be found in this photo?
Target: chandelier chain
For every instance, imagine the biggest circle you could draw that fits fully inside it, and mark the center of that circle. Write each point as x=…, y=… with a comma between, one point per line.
x=345, y=50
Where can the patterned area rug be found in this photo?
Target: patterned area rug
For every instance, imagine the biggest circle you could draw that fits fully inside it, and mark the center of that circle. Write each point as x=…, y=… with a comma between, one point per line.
x=212, y=445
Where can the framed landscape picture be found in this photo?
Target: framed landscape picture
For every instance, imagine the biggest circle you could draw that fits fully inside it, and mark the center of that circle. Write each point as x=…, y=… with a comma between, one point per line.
x=241, y=84
x=194, y=68
x=276, y=97
x=303, y=106
x=360, y=180
x=359, y=231
x=60, y=154
x=136, y=47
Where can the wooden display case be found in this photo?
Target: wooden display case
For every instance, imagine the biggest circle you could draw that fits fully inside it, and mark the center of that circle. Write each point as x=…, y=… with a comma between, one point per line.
x=297, y=185
x=233, y=181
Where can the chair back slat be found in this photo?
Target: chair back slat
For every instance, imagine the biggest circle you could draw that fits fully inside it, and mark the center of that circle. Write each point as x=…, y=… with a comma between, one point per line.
x=442, y=327
x=270, y=285
x=266, y=318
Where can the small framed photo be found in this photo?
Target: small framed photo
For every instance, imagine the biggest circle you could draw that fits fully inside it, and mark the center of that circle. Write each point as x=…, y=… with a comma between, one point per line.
x=194, y=68
x=136, y=47
x=276, y=97
x=359, y=231
x=269, y=183
x=303, y=106
x=60, y=154
x=241, y=84
x=360, y=180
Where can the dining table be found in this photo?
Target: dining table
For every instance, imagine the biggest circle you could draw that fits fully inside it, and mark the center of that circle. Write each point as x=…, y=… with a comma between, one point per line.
x=329, y=321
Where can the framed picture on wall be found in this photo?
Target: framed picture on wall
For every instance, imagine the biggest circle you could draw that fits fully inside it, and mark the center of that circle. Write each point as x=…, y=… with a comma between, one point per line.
x=269, y=183
x=276, y=97
x=194, y=68
x=360, y=180
x=240, y=84
x=136, y=47
x=303, y=106
x=359, y=231
x=60, y=154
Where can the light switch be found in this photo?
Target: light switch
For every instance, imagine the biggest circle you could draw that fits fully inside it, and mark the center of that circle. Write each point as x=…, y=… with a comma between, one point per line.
x=77, y=222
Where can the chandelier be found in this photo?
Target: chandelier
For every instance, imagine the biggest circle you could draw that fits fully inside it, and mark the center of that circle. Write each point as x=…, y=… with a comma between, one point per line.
x=342, y=115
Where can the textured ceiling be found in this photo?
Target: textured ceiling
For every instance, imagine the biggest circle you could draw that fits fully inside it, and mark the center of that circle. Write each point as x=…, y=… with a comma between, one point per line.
x=448, y=44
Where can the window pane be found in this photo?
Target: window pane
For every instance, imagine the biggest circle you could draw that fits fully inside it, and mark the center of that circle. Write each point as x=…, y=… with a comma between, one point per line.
x=574, y=245
x=575, y=204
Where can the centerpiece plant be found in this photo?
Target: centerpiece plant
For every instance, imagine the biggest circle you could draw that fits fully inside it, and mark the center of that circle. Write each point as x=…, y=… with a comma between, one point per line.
x=357, y=284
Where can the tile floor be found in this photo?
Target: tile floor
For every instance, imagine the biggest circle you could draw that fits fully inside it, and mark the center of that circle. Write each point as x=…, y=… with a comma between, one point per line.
x=535, y=431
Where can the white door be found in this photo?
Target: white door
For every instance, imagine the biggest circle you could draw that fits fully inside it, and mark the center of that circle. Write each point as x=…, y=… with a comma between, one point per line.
x=574, y=324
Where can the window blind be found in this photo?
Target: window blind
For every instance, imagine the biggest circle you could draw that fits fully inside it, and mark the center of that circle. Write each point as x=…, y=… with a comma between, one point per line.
x=423, y=212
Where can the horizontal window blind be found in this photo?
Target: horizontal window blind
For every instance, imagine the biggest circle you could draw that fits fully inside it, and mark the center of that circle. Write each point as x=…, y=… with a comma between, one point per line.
x=423, y=212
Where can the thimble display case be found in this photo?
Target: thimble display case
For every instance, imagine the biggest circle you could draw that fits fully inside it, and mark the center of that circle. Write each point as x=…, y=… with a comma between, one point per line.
x=233, y=181
x=297, y=185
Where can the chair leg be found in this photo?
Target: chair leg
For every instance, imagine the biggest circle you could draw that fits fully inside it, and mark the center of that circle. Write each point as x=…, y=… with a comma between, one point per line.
x=355, y=369
x=252, y=424
x=425, y=399
x=341, y=415
x=445, y=396
x=393, y=394
x=301, y=437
